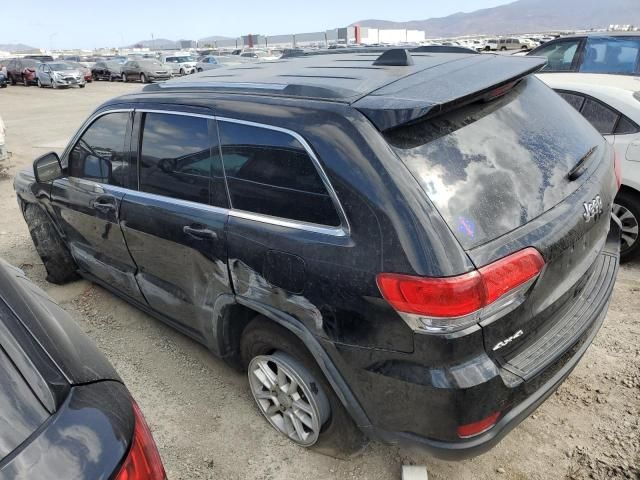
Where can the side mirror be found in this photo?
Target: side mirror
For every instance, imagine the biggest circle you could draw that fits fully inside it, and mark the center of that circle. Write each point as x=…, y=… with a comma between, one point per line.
x=47, y=168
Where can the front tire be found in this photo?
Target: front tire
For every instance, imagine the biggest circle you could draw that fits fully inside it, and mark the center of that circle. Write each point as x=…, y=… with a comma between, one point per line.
x=40, y=83
x=25, y=81
x=57, y=260
x=143, y=78
x=124, y=77
x=266, y=343
x=626, y=207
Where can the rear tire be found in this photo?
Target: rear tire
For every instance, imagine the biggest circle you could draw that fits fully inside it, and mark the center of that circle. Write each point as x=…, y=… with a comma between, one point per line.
x=124, y=77
x=339, y=436
x=13, y=80
x=25, y=81
x=627, y=208
x=60, y=266
x=143, y=78
x=40, y=83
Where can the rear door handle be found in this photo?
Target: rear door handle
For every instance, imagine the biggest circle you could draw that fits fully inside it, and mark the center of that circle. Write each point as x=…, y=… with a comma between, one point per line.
x=105, y=203
x=199, y=232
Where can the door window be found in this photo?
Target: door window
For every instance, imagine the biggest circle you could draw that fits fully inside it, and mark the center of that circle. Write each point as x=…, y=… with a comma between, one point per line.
x=100, y=154
x=270, y=172
x=611, y=55
x=559, y=54
x=177, y=159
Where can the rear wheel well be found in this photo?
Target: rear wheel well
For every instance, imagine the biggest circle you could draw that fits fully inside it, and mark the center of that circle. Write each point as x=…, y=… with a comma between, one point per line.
x=235, y=320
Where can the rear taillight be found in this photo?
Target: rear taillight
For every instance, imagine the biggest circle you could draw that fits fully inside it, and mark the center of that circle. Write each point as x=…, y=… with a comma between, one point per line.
x=453, y=303
x=143, y=461
x=476, y=428
x=617, y=168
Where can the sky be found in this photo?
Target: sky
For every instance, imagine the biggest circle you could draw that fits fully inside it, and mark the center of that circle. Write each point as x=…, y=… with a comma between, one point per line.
x=112, y=23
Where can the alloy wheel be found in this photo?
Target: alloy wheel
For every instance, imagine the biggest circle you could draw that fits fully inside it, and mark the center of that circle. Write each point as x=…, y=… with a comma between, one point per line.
x=282, y=388
x=629, y=234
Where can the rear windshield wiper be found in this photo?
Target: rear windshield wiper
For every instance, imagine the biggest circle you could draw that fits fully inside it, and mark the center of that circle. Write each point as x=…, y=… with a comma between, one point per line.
x=578, y=169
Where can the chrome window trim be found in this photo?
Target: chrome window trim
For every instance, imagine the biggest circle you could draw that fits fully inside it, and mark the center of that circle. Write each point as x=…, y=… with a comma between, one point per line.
x=339, y=231
x=175, y=201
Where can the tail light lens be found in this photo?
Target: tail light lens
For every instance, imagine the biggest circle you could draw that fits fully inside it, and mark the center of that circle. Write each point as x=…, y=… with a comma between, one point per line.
x=143, y=461
x=617, y=168
x=453, y=303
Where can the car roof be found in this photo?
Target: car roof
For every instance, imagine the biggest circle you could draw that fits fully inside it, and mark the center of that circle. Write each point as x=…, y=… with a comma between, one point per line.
x=601, y=34
x=388, y=93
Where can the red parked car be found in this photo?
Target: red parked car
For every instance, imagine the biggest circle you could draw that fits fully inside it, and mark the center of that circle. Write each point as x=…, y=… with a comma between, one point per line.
x=22, y=70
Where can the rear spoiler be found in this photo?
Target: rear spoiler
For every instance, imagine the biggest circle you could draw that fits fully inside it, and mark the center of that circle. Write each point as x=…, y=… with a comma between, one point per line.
x=443, y=88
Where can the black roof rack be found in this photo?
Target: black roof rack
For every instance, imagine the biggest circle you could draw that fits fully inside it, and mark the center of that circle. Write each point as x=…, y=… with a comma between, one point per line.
x=390, y=89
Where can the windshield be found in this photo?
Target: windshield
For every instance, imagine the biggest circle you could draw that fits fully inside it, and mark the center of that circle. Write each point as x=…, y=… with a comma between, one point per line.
x=150, y=63
x=61, y=66
x=181, y=59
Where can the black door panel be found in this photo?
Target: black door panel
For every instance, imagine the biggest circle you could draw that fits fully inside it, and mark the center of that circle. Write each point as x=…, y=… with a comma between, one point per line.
x=88, y=214
x=180, y=251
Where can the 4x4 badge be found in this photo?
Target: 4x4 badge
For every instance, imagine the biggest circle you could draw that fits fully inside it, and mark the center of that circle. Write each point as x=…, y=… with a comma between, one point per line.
x=507, y=341
x=592, y=209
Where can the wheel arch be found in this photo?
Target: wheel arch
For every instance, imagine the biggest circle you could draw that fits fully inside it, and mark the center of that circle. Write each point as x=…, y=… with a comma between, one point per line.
x=234, y=314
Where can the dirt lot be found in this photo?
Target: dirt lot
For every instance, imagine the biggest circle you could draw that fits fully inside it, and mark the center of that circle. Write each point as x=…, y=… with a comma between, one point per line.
x=201, y=412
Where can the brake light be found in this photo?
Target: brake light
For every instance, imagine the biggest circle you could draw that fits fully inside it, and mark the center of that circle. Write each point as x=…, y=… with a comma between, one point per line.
x=476, y=428
x=143, y=461
x=617, y=168
x=452, y=303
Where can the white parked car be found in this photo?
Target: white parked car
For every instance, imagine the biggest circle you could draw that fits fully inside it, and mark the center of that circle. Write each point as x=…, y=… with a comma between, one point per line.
x=612, y=104
x=180, y=64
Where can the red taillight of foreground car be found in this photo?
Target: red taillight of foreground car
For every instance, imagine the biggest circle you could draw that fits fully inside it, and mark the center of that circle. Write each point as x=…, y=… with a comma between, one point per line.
x=461, y=295
x=143, y=461
x=617, y=168
x=476, y=428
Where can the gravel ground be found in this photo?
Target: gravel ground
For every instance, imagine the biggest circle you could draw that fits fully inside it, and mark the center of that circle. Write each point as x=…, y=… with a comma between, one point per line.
x=201, y=412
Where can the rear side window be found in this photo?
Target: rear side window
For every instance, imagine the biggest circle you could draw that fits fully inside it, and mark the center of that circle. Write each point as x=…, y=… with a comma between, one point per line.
x=611, y=55
x=600, y=116
x=559, y=54
x=177, y=159
x=270, y=172
x=573, y=99
x=100, y=155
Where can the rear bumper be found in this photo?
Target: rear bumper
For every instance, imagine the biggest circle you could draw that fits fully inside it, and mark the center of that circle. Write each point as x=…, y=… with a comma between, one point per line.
x=427, y=414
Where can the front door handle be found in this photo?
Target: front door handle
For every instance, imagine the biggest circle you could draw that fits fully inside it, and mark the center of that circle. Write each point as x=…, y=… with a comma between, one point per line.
x=199, y=232
x=104, y=204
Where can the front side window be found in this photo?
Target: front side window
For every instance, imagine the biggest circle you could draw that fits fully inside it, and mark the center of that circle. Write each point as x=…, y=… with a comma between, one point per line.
x=611, y=55
x=559, y=54
x=270, y=172
x=100, y=154
x=177, y=159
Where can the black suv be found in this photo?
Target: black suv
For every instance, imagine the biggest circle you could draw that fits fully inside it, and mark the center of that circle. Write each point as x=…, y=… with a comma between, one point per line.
x=406, y=247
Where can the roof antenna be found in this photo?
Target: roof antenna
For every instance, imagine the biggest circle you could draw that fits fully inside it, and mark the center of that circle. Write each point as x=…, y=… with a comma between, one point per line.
x=396, y=57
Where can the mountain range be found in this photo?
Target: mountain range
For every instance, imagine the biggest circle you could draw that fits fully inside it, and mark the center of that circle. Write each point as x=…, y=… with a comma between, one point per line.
x=524, y=16
x=16, y=47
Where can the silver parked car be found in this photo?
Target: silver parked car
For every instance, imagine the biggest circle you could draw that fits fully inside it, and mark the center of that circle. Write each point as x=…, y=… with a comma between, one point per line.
x=145, y=70
x=59, y=74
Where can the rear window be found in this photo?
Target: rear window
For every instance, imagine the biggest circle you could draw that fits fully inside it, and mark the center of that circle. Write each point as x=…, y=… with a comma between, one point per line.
x=491, y=167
